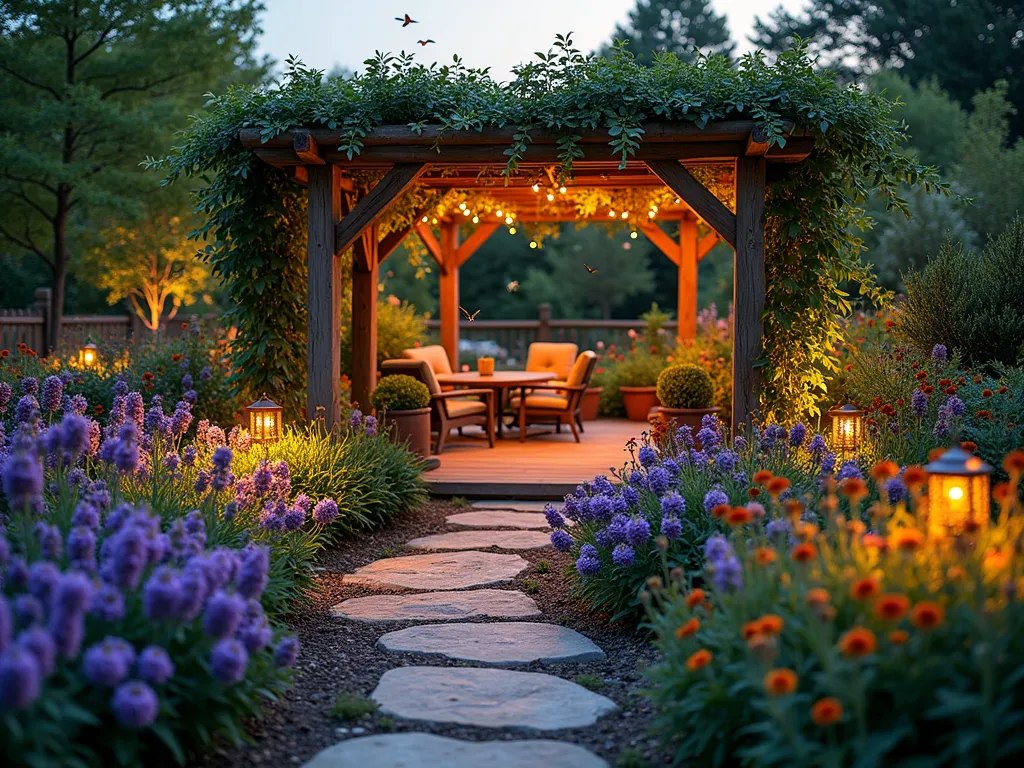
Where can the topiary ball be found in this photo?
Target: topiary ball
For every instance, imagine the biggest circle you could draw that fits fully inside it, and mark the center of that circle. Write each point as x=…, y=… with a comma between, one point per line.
x=686, y=386
x=400, y=393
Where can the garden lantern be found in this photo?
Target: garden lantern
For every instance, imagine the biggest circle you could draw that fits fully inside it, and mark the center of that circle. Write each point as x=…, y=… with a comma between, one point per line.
x=847, y=428
x=265, y=417
x=88, y=355
x=958, y=492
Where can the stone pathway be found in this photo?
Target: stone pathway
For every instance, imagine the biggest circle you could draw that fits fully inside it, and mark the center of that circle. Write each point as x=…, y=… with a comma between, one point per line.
x=486, y=695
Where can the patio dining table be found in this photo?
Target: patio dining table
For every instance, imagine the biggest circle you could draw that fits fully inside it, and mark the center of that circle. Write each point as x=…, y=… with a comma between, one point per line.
x=500, y=381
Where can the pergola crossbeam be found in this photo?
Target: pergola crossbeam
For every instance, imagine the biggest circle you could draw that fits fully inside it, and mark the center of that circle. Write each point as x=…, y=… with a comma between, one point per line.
x=698, y=197
x=483, y=231
x=433, y=247
x=662, y=241
x=371, y=207
x=705, y=245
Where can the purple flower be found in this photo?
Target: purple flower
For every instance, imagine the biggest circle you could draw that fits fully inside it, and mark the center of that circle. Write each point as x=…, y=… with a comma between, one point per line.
x=255, y=636
x=5, y=395
x=50, y=542
x=180, y=422
x=716, y=548
x=53, y=393
x=228, y=661
x=154, y=665
x=739, y=443
x=777, y=530
x=205, y=374
x=727, y=461
x=30, y=386
x=623, y=555
x=671, y=527
x=939, y=353
x=631, y=495
x=129, y=555
x=223, y=614
x=186, y=381
x=39, y=643
x=68, y=631
x=658, y=480
x=673, y=504
x=286, y=652
x=728, y=574
x=6, y=624
x=638, y=531
x=252, y=575
x=188, y=456
x=17, y=573
x=42, y=580
x=648, y=456
x=713, y=498
x=29, y=610
x=222, y=459
x=817, y=445
x=587, y=565
x=120, y=387
x=293, y=518
x=895, y=490
x=108, y=604
x=561, y=540
x=161, y=595
x=849, y=469
x=599, y=508
x=22, y=481
x=20, y=678
x=326, y=511
x=919, y=403
x=828, y=463
x=77, y=404
x=106, y=664
x=193, y=590
x=797, y=435
x=371, y=426
x=26, y=410
x=74, y=435
x=135, y=704
x=956, y=406
x=355, y=420
x=126, y=449
x=553, y=516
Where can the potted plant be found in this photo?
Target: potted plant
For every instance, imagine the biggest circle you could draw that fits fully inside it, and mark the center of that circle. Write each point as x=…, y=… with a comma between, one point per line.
x=637, y=378
x=403, y=405
x=687, y=394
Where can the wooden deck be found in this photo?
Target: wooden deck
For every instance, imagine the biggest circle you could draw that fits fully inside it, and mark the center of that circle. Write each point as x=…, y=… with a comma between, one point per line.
x=546, y=466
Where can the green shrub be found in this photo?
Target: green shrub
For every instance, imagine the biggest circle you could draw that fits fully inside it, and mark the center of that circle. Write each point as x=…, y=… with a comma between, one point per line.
x=399, y=393
x=685, y=386
x=970, y=302
x=349, y=706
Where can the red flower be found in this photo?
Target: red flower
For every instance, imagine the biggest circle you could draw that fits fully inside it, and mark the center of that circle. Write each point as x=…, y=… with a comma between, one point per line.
x=987, y=415
x=147, y=376
x=921, y=375
x=888, y=410
x=986, y=393
x=5, y=353
x=98, y=409
x=1001, y=390
x=950, y=390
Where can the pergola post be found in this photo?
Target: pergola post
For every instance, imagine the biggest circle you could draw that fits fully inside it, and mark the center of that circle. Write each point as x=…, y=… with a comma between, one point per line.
x=748, y=287
x=365, y=277
x=687, y=296
x=323, y=334
x=449, y=288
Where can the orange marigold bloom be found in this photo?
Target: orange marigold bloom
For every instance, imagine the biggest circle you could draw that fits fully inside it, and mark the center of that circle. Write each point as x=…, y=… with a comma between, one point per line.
x=950, y=390
x=777, y=485
x=892, y=607
x=853, y=488
x=977, y=379
x=780, y=682
x=770, y=624
x=749, y=629
x=804, y=552
x=689, y=628
x=927, y=615
x=1001, y=492
x=699, y=660
x=859, y=641
x=762, y=476
x=874, y=541
x=945, y=382
x=826, y=712
x=865, y=589
x=934, y=453
x=914, y=477
x=907, y=539
x=1002, y=390
x=764, y=555
x=695, y=598
x=806, y=531
x=921, y=375
x=793, y=507
x=1014, y=461
x=720, y=510
x=884, y=470
x=147, y=376
x=739, y=516
x=969, y=445
x=817, y=596
x=983, y=414
x=899, y=637
x=176, y=357
x=986, y=393
x=887, y=409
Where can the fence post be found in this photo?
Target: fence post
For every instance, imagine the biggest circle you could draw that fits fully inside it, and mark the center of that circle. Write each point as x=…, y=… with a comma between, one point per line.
x=544, y=316
x=43, y=300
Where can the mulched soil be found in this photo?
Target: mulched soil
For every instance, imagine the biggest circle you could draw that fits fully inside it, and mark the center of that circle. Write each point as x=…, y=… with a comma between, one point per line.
x=341, y=657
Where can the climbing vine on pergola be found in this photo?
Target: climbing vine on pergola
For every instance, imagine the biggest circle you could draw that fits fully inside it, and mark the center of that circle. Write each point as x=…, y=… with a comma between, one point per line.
x=773, y=159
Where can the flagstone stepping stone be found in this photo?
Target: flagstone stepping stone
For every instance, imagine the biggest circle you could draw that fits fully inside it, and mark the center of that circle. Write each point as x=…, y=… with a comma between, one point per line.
x=501, y=644
x=452, y=570
x=515, y=506
x=496, y=518
x=439, y=606
x=488, y=698
x=482, y=539
x=426, y=750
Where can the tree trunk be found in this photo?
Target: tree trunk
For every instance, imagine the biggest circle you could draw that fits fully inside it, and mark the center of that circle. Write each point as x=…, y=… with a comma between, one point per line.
x=60, y=268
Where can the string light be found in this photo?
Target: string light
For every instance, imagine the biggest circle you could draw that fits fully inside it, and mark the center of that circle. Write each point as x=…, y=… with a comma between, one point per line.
x=511, y=230
x=425, y=219
x=466, y=212
x=550, y=197
x=650, y=214
x=433, y=221
x=561, y=189
x=508, y=219
x=678, y=201
x=632, y=235
x=499, y=214
x=533, y=243
x=625, y=214
x=476, y=219
x=536, y=187
x=462, y=206
x=611, y=214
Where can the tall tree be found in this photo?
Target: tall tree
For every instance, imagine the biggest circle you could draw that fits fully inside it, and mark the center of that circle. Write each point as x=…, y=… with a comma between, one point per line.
x=682, y=27
x=88, y=88
x=967, y=46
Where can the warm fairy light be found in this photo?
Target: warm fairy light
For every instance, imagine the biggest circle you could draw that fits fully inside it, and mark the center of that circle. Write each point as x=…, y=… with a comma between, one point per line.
x=550, y=197
x=508, y=219
x=476, y=219
x=611, y=214
x=433, y=221
x=462, y=206
x=632, y=235
x=499, y=214
x=958, y=492
x=533, y=243
x=535, y=187
x=650, y=214
x=425, y=219
x=265, y=417
x=466, y=212
x=678, y=201
x=847, y=428
x=561, y=190
x=511, y=230
x=625, y=214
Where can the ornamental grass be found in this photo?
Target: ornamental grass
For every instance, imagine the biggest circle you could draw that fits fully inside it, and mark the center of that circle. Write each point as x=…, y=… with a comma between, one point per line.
x=868, y=639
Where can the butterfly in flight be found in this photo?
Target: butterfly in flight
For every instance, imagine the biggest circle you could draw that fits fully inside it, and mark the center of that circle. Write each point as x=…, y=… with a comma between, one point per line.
x=406, y=21
x=512, y=287
x=468, y=316
x=425, y=43
x=590, y=269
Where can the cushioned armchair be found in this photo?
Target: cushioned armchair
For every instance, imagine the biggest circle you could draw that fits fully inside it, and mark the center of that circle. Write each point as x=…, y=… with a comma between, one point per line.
x=448, y=410
x=434, y=355
x=557, y=403
x=551, y=357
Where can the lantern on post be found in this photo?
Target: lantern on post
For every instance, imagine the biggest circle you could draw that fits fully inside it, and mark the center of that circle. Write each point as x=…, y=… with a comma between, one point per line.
x=265, y=420
x=847, y=428
x=958, y=492
x=88, y=355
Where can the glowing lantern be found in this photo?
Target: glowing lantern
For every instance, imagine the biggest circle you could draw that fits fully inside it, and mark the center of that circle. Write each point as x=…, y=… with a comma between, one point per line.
x=958, y=492
x=847, y=428
x=265, y=420
x=88, y=355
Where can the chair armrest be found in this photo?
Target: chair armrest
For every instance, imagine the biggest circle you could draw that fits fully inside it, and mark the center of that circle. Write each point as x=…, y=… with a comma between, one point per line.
x=557, y=387
x=488, y=393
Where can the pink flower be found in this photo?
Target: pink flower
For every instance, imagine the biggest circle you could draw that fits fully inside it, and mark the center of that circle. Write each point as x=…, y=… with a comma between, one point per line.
x=393, y=300
x=465, y=367
x=631, y=333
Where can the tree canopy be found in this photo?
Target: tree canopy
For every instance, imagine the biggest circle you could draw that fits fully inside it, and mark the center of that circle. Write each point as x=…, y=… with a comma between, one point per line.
x=686, y=28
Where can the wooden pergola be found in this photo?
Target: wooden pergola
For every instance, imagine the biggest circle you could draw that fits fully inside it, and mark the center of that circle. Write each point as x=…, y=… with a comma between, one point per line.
x=343, y=215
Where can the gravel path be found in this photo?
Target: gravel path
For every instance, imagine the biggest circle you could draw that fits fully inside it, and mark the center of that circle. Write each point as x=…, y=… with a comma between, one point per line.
x=341, y=657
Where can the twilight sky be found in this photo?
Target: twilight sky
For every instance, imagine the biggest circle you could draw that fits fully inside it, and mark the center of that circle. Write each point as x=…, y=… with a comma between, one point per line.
x=485, y=33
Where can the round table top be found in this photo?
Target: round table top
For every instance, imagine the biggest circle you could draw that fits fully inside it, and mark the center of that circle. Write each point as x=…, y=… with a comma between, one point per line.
x=497, y=379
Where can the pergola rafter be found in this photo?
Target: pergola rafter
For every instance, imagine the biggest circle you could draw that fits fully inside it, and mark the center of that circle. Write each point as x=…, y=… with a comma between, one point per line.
x=476, y=160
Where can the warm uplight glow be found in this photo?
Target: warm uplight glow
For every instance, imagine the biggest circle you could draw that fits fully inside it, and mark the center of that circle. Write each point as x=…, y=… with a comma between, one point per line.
x=847, y=429
x=265, y=420
x=650, y=214
x=958, y=492
x=433, y=221
x=88, y=355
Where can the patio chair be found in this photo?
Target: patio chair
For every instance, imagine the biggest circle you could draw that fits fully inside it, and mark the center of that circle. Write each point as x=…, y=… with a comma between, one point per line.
x=448, y=410
x=552, y=357
x=434, y=355
x=557, y=403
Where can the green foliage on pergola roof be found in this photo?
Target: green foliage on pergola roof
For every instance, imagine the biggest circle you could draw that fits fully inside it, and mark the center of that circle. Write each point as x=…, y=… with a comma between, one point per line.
x=255, y=227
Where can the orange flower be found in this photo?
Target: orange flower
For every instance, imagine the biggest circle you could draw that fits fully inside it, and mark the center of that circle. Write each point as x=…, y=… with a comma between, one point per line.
x=927, y=615
x=739, y=516
x=899, y=637
x=777, y=485
x=793, y=507
x=764, y=555
x=826, y=712
x=817, y=596
x=5, y=353
x=761, y=477
x=147, y=376
x=98, y=409
x=754, y=493
x=921, y=375
x=720, y=510
x=914, y=477
x=986, y=393
x=698, y=660
x=934, y=453
x=950, y=390
x=865, y=589
x=806, y=531
x=694, y=598
x=770, y=624
x=927, y=388
x=1002, y=390
x=907, y=539
x=689, y=628
x=1014, y=461
x=859, y=641
x=804, y=552
x=749, y=629
x=986, y=415
x=176, y=357
x=884, y=470
x=854, y=489
x=891, y=607
x=780, y=682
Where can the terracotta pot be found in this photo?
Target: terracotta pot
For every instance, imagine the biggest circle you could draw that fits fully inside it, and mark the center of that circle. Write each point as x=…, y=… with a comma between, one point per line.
x=688, y=417
x=591, y=399
x=639, y=401
x=410, y=427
